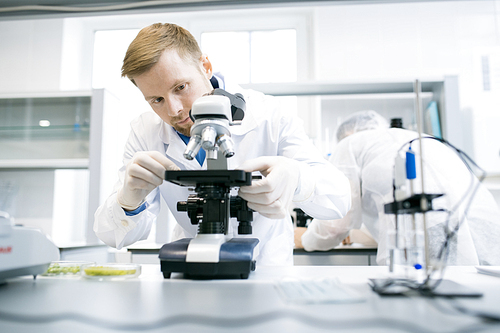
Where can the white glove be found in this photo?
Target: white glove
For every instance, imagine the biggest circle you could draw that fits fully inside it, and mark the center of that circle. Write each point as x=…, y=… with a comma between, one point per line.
x=145, y=171
x=272, y=195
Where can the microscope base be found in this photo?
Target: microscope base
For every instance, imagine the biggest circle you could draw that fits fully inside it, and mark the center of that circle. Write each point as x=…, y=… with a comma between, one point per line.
x=235, y=260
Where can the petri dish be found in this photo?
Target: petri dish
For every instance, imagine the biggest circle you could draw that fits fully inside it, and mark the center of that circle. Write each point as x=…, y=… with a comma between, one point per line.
x=110, y=271
x=65, y=268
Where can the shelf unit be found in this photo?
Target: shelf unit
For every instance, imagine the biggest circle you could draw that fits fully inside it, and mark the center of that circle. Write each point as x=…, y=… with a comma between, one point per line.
x=333, y=101
x=54, y=159
x=53, y=127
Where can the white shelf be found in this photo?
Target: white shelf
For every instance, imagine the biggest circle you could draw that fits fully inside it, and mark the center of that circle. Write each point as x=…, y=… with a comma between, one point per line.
x=47, y=94
x=340, y=88
x=382, y=96
x=80, y=163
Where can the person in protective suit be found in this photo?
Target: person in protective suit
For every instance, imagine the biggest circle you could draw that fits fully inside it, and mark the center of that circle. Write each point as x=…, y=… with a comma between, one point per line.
x=366, y=154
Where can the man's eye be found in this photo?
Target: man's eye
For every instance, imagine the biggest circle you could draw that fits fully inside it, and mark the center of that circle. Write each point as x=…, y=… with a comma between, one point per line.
x=181, y=87
x=158, y=100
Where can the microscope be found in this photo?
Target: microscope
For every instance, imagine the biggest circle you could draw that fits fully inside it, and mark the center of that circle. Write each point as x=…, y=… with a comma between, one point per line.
x=212, y=253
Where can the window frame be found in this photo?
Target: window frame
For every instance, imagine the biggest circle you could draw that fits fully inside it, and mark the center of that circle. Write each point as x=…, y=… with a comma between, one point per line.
x=258, y=21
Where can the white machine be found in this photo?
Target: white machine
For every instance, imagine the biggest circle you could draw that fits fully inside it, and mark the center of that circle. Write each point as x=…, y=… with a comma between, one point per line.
x=23, y=250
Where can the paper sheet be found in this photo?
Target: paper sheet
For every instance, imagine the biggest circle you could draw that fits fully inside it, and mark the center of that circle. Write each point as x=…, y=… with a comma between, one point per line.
x=324, y=290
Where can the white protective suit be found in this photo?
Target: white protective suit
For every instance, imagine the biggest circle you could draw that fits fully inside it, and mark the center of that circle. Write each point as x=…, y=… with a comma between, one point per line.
x=367, y=159
x=323, y=191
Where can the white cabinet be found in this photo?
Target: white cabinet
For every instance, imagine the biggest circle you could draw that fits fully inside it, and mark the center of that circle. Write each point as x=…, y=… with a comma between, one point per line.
x=324, y=105
x=56, y=160
x=44, y=130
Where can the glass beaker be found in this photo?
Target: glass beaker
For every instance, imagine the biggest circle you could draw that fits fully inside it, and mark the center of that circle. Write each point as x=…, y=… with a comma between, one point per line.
x=406, y=246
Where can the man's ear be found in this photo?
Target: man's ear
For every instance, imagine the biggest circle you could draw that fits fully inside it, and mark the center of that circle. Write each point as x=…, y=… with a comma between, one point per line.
x=206, y=66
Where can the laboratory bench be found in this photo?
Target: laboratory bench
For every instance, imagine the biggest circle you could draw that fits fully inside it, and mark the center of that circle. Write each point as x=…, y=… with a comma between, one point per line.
x=150, y=303
x=342, y=255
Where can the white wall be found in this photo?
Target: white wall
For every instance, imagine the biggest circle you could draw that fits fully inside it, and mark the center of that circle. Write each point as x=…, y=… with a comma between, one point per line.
x=353, y=42
x=402, y=40
x=421, y=40
x=30, y=55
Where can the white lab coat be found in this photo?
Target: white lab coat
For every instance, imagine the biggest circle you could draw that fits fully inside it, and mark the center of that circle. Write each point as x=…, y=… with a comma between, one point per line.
x=367, y=159
x=266, y=130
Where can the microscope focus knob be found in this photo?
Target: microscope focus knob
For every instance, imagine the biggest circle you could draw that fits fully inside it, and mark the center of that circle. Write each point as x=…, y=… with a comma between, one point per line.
x=193, y=206
x=243, y=214
x=244, y=228
x=182, y=206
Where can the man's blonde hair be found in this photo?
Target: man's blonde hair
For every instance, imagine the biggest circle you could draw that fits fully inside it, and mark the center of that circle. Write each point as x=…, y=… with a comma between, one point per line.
x=146, y=49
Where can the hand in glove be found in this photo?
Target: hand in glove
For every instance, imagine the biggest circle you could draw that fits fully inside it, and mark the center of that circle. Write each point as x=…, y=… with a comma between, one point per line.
x=145, y=171
x=271, y=195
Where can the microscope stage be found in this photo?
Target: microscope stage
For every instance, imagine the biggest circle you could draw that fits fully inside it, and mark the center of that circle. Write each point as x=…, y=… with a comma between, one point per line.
x=192, y=178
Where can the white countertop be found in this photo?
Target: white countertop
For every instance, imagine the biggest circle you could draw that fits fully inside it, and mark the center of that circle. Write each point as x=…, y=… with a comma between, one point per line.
x=150, y=303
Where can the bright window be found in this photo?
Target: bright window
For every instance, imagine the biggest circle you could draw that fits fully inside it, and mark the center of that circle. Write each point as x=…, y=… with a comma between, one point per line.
x=110, y=47
x=253, y=56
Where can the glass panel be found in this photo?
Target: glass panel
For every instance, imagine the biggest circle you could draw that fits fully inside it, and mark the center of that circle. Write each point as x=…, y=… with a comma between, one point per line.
x=27, y=195
x=71, y=192
x=48, y=128
x=273, y=56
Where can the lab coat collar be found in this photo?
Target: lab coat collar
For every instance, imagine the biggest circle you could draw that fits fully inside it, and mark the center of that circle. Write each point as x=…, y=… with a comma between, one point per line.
x=174, y=149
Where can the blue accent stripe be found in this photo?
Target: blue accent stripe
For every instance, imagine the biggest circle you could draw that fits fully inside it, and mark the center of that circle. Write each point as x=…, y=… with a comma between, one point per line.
x=135, y=211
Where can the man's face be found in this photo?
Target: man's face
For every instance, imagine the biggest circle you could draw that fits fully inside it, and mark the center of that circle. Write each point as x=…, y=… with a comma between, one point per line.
x=172, y=85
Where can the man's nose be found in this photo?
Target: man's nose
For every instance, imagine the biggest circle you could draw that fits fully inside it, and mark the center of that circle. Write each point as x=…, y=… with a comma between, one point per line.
x=174, y=107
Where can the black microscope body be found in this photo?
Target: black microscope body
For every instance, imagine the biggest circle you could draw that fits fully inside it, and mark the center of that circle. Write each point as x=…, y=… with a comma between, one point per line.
x=212, y=253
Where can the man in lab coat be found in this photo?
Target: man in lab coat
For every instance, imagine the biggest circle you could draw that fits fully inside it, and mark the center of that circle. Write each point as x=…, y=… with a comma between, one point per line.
x=366, y=154
x=166, y=64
